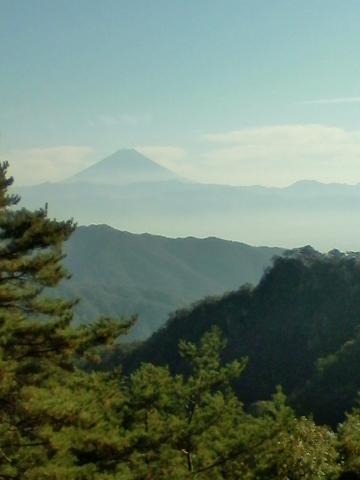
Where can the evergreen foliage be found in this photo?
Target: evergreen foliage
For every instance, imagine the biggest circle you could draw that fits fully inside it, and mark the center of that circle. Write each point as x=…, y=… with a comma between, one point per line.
x=349, y=442
x=62, y=421
x=298, y=328
x=38, y=347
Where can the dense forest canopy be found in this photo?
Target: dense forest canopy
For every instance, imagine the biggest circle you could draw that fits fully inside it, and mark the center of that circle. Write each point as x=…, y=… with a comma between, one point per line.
x=298, y=328
x=60, y=418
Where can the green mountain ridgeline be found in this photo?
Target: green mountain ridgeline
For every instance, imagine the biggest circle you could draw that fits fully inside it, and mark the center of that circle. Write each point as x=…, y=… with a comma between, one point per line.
x=116, y=272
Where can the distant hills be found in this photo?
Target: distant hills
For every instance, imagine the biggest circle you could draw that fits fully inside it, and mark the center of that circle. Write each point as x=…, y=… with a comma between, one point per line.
x=131, y=192
x=115, y=272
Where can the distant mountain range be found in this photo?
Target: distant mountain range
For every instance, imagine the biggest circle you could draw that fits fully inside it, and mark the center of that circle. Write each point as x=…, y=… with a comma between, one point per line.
x=115, y=273
x=131, y=192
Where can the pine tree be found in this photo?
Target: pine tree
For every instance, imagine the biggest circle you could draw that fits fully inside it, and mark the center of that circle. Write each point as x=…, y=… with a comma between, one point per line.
x=185, y=427
x=349, y=444
x=290, y=447
x=39, y=349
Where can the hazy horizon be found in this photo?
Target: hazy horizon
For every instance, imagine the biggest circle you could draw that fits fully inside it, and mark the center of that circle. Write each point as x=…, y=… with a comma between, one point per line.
x=95, y=162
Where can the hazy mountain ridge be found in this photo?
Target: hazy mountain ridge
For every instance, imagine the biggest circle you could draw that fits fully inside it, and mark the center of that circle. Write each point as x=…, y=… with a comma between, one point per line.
x=122, y=167
x=153, y=199
x=116, y=272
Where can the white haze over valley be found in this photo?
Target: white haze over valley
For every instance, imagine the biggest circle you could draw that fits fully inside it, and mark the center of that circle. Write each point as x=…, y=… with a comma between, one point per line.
x=132, y=192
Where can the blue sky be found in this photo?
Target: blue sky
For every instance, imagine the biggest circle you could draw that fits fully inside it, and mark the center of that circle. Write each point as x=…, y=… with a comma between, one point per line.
x=241, y=92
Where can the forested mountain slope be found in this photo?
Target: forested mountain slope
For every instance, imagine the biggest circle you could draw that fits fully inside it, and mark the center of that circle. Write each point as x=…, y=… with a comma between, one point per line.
x=116, y=273
x=298, y=327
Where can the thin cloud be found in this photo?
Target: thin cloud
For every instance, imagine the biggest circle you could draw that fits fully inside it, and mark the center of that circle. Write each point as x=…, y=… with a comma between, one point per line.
x=37, y=165
x=123, y=119
x=329, y=101
x=282, y=154
x=274, y=134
